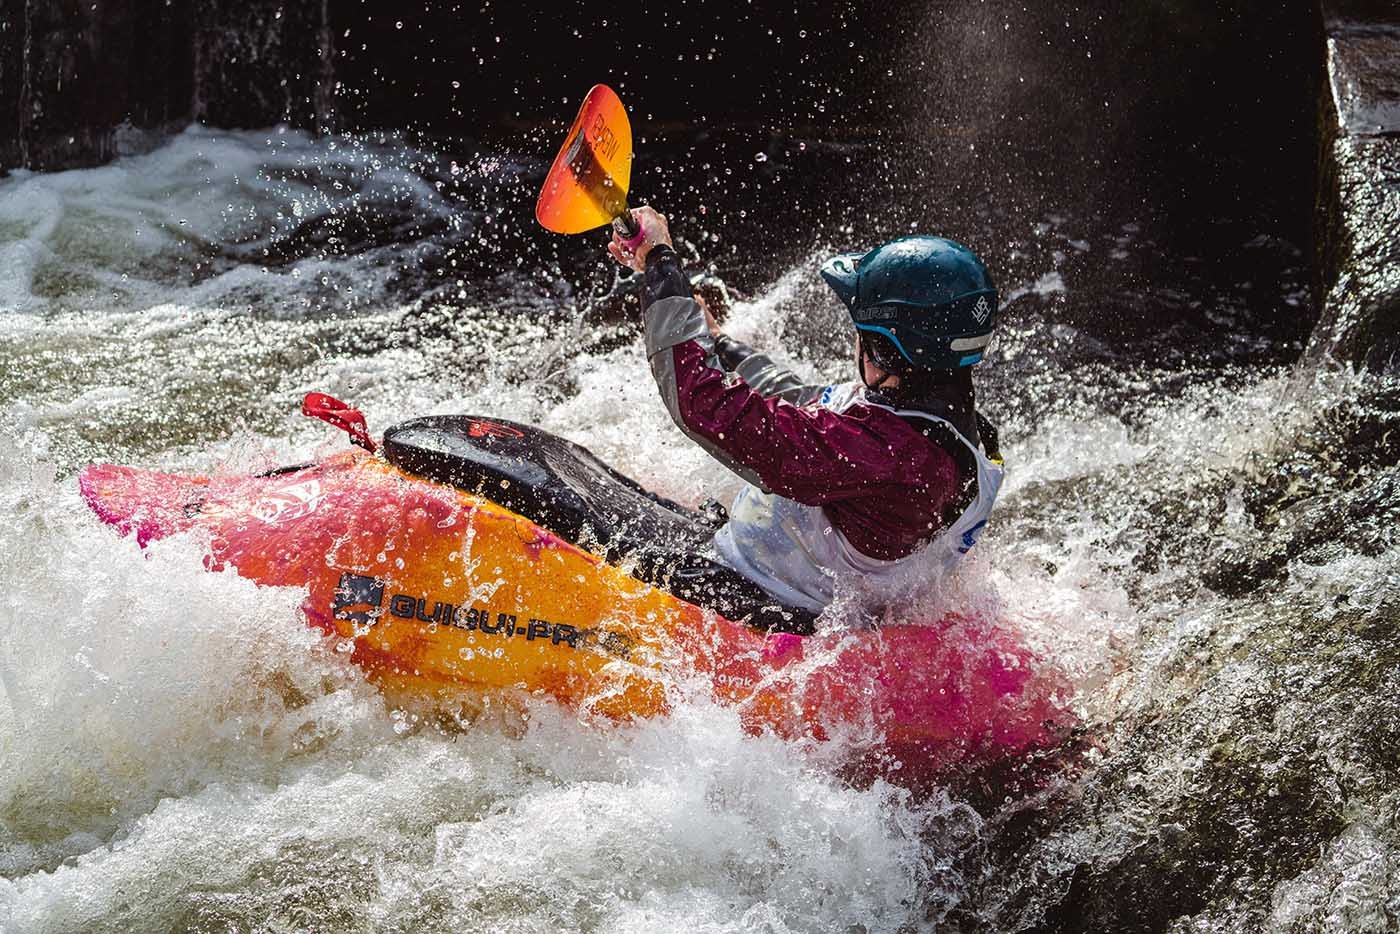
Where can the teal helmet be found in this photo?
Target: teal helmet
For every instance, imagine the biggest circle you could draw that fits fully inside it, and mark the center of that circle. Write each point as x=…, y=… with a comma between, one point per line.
x=920, y=303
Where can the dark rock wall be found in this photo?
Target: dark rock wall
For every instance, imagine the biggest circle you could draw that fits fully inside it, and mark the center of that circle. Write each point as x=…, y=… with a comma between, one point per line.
x=1359, y=203
x=1187, y=84
x=258, y=63
x=72, y=72
x=81, y=82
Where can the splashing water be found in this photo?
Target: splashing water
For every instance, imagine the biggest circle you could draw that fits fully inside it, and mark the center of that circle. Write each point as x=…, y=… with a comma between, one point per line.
x=181, y=752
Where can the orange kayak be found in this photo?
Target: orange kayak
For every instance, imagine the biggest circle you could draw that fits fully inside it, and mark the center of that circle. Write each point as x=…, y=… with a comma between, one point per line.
x=442, y=591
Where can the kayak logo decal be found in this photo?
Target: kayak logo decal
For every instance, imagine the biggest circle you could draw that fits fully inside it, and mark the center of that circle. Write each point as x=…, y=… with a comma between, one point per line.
x=289, y=502
x=360, y=599
x=480, y=428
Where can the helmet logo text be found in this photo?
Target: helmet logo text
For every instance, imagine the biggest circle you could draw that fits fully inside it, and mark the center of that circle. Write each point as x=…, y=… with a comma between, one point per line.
x=982, y=310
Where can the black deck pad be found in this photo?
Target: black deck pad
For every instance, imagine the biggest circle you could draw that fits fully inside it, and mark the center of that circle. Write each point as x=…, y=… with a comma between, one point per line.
x=561, y=486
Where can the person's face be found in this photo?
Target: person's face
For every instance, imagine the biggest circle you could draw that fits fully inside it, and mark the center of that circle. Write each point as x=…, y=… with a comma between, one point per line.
x=871, y=374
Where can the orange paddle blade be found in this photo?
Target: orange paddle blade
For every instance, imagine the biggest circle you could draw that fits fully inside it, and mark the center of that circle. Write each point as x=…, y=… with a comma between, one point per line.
x=587, y=185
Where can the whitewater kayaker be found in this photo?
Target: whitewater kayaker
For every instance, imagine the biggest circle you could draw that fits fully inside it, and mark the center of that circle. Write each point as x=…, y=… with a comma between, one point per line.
x=846, y=480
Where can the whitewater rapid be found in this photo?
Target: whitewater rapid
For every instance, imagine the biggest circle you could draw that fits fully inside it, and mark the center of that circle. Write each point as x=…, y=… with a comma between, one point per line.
x=178, y=751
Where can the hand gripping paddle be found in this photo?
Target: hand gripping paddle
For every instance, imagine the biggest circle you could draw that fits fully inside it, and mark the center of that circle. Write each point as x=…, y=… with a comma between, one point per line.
x=587, y=184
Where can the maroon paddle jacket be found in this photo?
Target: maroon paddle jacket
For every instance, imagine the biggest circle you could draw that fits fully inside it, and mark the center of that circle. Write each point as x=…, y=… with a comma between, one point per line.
x=881, y=481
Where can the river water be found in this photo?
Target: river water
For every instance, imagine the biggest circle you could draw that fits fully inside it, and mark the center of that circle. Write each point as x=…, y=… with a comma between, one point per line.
x=1195, y=530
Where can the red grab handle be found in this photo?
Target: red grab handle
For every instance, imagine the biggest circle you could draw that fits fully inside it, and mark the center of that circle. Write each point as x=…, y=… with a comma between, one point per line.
x=334, y=412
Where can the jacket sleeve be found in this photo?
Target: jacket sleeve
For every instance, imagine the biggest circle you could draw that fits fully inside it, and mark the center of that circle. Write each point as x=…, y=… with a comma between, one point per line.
x=810, y=454
x=664, y=278
x=762, y=374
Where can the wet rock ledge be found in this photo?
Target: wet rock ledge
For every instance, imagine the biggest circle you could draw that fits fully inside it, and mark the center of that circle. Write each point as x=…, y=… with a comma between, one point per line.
x=1359, y=195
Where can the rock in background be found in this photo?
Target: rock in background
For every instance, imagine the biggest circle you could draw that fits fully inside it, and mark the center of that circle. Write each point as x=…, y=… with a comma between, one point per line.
x=1359, y=196
x=81, y=83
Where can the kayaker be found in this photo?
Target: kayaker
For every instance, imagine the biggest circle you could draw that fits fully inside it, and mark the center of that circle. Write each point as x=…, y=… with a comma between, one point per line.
x=847, y=480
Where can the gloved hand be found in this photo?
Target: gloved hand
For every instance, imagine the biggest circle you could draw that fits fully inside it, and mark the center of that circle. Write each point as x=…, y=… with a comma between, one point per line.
x=654, y=231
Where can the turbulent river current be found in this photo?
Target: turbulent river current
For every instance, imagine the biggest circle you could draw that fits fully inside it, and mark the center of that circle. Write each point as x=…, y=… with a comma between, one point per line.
x=1196, y=529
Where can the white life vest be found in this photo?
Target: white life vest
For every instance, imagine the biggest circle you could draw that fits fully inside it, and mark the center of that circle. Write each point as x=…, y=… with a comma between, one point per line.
x=796, y=554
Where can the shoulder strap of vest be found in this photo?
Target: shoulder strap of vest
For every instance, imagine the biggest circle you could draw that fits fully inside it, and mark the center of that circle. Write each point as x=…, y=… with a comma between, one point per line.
x=942, y=433
x=926, y=423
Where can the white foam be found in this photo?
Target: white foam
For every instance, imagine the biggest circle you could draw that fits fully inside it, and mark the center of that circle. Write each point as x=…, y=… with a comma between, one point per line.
x=135, y=675
x=1051, y=283
x=686, y=822
x=131, y=233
